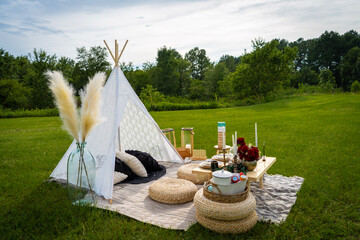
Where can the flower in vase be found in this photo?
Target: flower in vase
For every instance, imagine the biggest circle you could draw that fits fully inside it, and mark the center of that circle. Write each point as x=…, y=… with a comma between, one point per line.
x=241, y=141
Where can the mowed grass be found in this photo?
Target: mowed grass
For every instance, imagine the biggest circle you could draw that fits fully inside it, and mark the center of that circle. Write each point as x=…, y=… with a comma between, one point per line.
x=316, y=137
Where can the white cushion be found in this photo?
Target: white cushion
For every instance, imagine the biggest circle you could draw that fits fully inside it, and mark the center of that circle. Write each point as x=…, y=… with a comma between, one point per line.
x=133, y=163
x=119, y=177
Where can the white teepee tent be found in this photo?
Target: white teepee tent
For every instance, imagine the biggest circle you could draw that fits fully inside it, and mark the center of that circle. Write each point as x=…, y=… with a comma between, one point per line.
x=128, y=125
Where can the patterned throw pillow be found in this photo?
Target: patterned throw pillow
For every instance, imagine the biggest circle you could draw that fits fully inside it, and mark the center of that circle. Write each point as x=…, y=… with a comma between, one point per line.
x=133, y=163
x=150, y=164
x=119, y=177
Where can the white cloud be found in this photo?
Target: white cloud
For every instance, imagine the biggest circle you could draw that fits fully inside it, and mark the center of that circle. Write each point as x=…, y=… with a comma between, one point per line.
x=220, y=27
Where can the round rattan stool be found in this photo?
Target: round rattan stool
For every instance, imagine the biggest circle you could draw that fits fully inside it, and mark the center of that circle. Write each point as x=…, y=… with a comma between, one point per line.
x=172, y=191
x=224, y=211
x=220, y=226
x=185, y=172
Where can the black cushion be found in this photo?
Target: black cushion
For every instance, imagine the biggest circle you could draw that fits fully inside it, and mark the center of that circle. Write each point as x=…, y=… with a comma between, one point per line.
x=152, y=176
x=150, y=164
x=120, y=166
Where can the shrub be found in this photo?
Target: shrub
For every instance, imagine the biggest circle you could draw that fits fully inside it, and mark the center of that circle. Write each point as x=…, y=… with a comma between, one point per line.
x=168, y=106
x=13, y=94
x=8, y=113
x=355, y=87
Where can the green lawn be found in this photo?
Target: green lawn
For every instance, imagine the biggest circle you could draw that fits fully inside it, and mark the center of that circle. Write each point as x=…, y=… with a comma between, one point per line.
x=316, y=137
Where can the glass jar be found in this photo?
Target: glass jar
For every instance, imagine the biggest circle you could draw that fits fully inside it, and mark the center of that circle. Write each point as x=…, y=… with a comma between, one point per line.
x=81, y=170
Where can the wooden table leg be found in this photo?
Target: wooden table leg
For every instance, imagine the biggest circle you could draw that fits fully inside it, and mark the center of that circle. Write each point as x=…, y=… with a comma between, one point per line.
x=261, y=182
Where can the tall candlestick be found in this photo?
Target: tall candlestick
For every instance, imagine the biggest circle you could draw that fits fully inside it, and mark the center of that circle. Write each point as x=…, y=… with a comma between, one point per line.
x=264, y=149
x=256, y=142
x=233, y=143
x=264, y=156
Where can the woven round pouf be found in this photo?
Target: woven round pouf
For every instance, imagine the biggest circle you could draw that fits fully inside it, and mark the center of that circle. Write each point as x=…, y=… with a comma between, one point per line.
x=224, y=211
x=220, y=226
x=185, y=172
x=172, y=191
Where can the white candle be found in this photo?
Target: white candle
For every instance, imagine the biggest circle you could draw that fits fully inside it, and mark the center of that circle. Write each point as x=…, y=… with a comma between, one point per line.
x=256, y=142
x=233, y=143
x=236, y=137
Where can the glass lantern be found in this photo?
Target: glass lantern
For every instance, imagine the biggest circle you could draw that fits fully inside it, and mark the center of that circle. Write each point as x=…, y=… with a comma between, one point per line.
x=170, y=135
x=187, y=139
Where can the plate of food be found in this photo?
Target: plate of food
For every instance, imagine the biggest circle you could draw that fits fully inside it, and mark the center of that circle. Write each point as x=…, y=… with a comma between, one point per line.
x=220, y=157
x=207, y=164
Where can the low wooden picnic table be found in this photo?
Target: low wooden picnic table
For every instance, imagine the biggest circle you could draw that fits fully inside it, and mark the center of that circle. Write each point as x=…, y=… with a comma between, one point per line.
x=256, y=175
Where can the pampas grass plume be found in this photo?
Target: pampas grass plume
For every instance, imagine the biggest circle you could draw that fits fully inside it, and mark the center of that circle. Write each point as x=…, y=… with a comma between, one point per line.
x=91, y=101
x=65, y=101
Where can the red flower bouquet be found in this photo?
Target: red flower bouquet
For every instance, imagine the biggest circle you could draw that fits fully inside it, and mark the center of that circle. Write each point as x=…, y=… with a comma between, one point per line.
x=247, y=153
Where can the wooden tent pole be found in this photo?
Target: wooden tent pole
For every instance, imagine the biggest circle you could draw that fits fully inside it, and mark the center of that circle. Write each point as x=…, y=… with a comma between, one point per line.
x=110, y=51
x=122, y=50
x=116, y=53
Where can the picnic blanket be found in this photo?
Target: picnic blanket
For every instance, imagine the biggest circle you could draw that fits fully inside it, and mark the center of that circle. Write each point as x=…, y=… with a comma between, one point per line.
x=273, y=202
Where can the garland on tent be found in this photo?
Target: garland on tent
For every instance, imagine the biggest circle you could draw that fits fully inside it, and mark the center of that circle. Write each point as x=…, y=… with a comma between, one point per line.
x=78, y=173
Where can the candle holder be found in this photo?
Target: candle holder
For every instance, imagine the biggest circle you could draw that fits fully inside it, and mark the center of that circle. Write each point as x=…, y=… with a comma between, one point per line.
x=264, y=156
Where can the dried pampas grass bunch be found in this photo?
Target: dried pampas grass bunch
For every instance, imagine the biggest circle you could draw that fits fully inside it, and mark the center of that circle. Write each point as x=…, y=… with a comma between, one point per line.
x=65, y=102
x=91, y=101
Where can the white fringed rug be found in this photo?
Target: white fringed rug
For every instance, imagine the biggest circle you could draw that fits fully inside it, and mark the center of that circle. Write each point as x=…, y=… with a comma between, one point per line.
x=273, y=202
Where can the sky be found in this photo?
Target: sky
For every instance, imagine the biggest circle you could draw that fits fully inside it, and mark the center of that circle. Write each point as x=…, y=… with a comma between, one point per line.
x=218, y=26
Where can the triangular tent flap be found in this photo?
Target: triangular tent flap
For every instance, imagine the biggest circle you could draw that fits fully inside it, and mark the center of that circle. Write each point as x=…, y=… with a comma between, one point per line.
x=126, y=121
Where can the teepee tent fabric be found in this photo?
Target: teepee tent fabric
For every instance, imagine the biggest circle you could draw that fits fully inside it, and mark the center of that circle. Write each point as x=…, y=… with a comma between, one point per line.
x=127, y=125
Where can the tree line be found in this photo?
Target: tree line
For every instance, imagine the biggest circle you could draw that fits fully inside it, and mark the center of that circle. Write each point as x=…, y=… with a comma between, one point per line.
x=331, y=61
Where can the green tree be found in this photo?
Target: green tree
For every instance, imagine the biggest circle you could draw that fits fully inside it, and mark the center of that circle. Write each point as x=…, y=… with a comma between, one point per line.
x=305, y=76
x=149, y=94
x=7, y=62
x=326, y=79
x=212, y=78
x=264, y=70
x=196, y=89
x=66, y=66
x=230, y=61
x=167, y=76
x=283, y=43
x=226, y=89
x=351, y=39
x=304, y=57
x=21, y=66
x=199, y=62
x=13, y=68
x=184, y=77
x=355, y=86
x=41, y=96
x=13, y=94
x=88, y=63
x=327, y=53
x=138, y=79
x=350, y=68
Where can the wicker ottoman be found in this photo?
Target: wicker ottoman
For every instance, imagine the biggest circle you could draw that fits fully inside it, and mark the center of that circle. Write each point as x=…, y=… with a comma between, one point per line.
x=185, y=172
x=235, y=226
x=172, y=191
x=224, y=211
